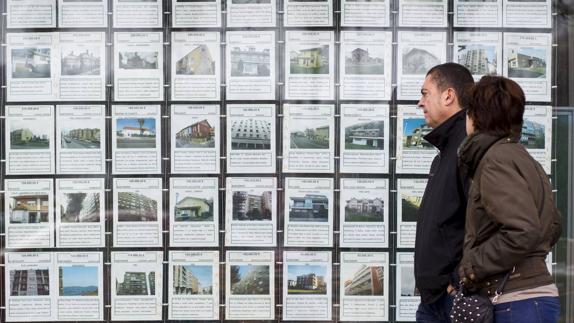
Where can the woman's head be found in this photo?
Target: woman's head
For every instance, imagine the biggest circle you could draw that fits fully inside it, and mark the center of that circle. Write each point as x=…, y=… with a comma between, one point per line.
x=496, y=107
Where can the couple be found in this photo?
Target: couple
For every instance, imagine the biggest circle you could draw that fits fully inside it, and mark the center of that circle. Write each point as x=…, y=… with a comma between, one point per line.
x=488, y=207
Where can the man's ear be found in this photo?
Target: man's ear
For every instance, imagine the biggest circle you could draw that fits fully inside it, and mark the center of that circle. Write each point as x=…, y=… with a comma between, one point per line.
x=449, y=97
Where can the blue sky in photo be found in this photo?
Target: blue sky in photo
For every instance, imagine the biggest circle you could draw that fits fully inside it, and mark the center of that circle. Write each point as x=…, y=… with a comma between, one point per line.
x=202, y=273
x=298, y=270
x=133, y=122
x=80, y=276
x=410, y=124
x=531, y=51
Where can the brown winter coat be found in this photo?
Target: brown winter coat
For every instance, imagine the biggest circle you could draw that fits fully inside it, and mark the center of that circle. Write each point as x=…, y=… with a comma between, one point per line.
x=504, y=227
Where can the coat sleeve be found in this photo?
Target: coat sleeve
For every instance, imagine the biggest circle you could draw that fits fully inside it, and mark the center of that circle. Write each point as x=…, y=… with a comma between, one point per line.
x=509, y=203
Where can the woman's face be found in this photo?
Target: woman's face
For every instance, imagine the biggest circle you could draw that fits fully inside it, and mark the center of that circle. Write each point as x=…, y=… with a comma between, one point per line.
x=469, y=126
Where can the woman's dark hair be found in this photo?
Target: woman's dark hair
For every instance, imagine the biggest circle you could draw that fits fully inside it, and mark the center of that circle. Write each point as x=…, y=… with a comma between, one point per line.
x=496, y=106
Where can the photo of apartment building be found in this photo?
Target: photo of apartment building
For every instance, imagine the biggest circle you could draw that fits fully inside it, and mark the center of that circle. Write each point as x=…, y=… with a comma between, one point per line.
x=29, y=209
x=366, y=281
x=252, y=207
x=136, y=207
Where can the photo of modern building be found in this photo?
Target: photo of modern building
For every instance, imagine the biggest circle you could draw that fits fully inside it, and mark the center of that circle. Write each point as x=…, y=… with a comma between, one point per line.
x=249, y=279
x=252, y=207
x=81, y=138
x=407, y=286
x=533, y=135
x=526, y=62
x=29, y=209
x=364, y=210
x=309, y=134
x=31, y=282
x=198, y=135
x=249, y=134
x=198, y=61
x=414, y=130
x=250, y=61
x=417, y=61
x=191, y=208
x=365, y=60
x=306, y=279
x=365, y=135
x=80, y=207
x=29, y=134
x=78, y=280
x=136, y=207
x=138, y=60
x=134, y=283
x=84, y=62
x=31, y=62
x=310, y=60
x=409, y=207
x=309, y=208
x=479, y=59
x=365, y=281
x=135, y=133
x=192, y=280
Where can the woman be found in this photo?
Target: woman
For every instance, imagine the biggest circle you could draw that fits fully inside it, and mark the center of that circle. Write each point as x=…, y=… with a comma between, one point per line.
x=511, y=219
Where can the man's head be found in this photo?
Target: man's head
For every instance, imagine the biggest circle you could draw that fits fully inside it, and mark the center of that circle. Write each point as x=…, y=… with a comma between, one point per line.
x=444, y=92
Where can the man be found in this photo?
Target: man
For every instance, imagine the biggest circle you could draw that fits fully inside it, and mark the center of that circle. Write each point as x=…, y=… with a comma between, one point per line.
x=440, y=219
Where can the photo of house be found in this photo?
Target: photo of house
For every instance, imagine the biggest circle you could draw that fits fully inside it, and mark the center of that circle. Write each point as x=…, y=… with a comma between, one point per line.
x=78, y=280
x=81, y=62
x=250, y=60
x=414, y=130
x=309, y=134
x=365, y=136
x=533, y=135
x=363, y=280
x=136, y=207
x=249, y=279
x=192, y=208
x=309, y=60
x=409, y=207
x=364, y=210
x=417, y=61
x=252, y=207
x=198, y=135
x=80, y=207
x=526, y=62
x=306, y=279
x=192, y=280
x=479, y=59
x=364, y=60
x=251, y=134
x=135, y=133
x=309, y=208
x=135, y=283
x=138, y=60
x=30, y=282
x=29, y=208
x=198, y=61
x=29, y=134
x=31, y=62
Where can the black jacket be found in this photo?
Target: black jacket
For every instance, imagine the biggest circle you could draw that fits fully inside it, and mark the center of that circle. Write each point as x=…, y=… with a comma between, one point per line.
x=441, y=216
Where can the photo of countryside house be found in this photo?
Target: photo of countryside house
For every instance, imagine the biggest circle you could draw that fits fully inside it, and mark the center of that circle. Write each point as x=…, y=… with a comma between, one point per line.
x=479, y=59
x=364, y=210
x=310, y=138
x=410, y=206
x=250, y=61
x=138, y=60
x=366, y=281
x=135, y=133
x=524, y=62
x=417, y=61
x=80, y=207
x=250, y=134
x=359, y=61
x=31, y=282
x=81, y=63
x=249, y=279
x=311, y=207
x=191, y=208
x=192, y=280
x=25, y=138
x=306, y=279
x=197, y=62
x=533, y=136
x=136, y=284
x=252, y=207
x=31, y=62
x=136, y=207
x=314, y=60
x=414, y=130
x=199, y=135
x=81, y=138
x=29, y=209
x=78, y=280
x=367, y=135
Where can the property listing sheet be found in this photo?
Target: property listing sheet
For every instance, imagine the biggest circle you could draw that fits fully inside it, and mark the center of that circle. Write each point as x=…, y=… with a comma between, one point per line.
x=414, y=153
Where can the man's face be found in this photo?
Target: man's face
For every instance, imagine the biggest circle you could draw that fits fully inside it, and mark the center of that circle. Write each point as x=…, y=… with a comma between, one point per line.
x=432, y=103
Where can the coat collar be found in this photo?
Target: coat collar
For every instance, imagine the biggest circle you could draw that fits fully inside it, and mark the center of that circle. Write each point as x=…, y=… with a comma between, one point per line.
x=439, y=136
x=473, y=148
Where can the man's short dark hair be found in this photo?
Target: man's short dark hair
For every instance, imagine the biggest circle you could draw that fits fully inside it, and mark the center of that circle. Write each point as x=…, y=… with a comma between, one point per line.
x=497, y=106
x=455, y=76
